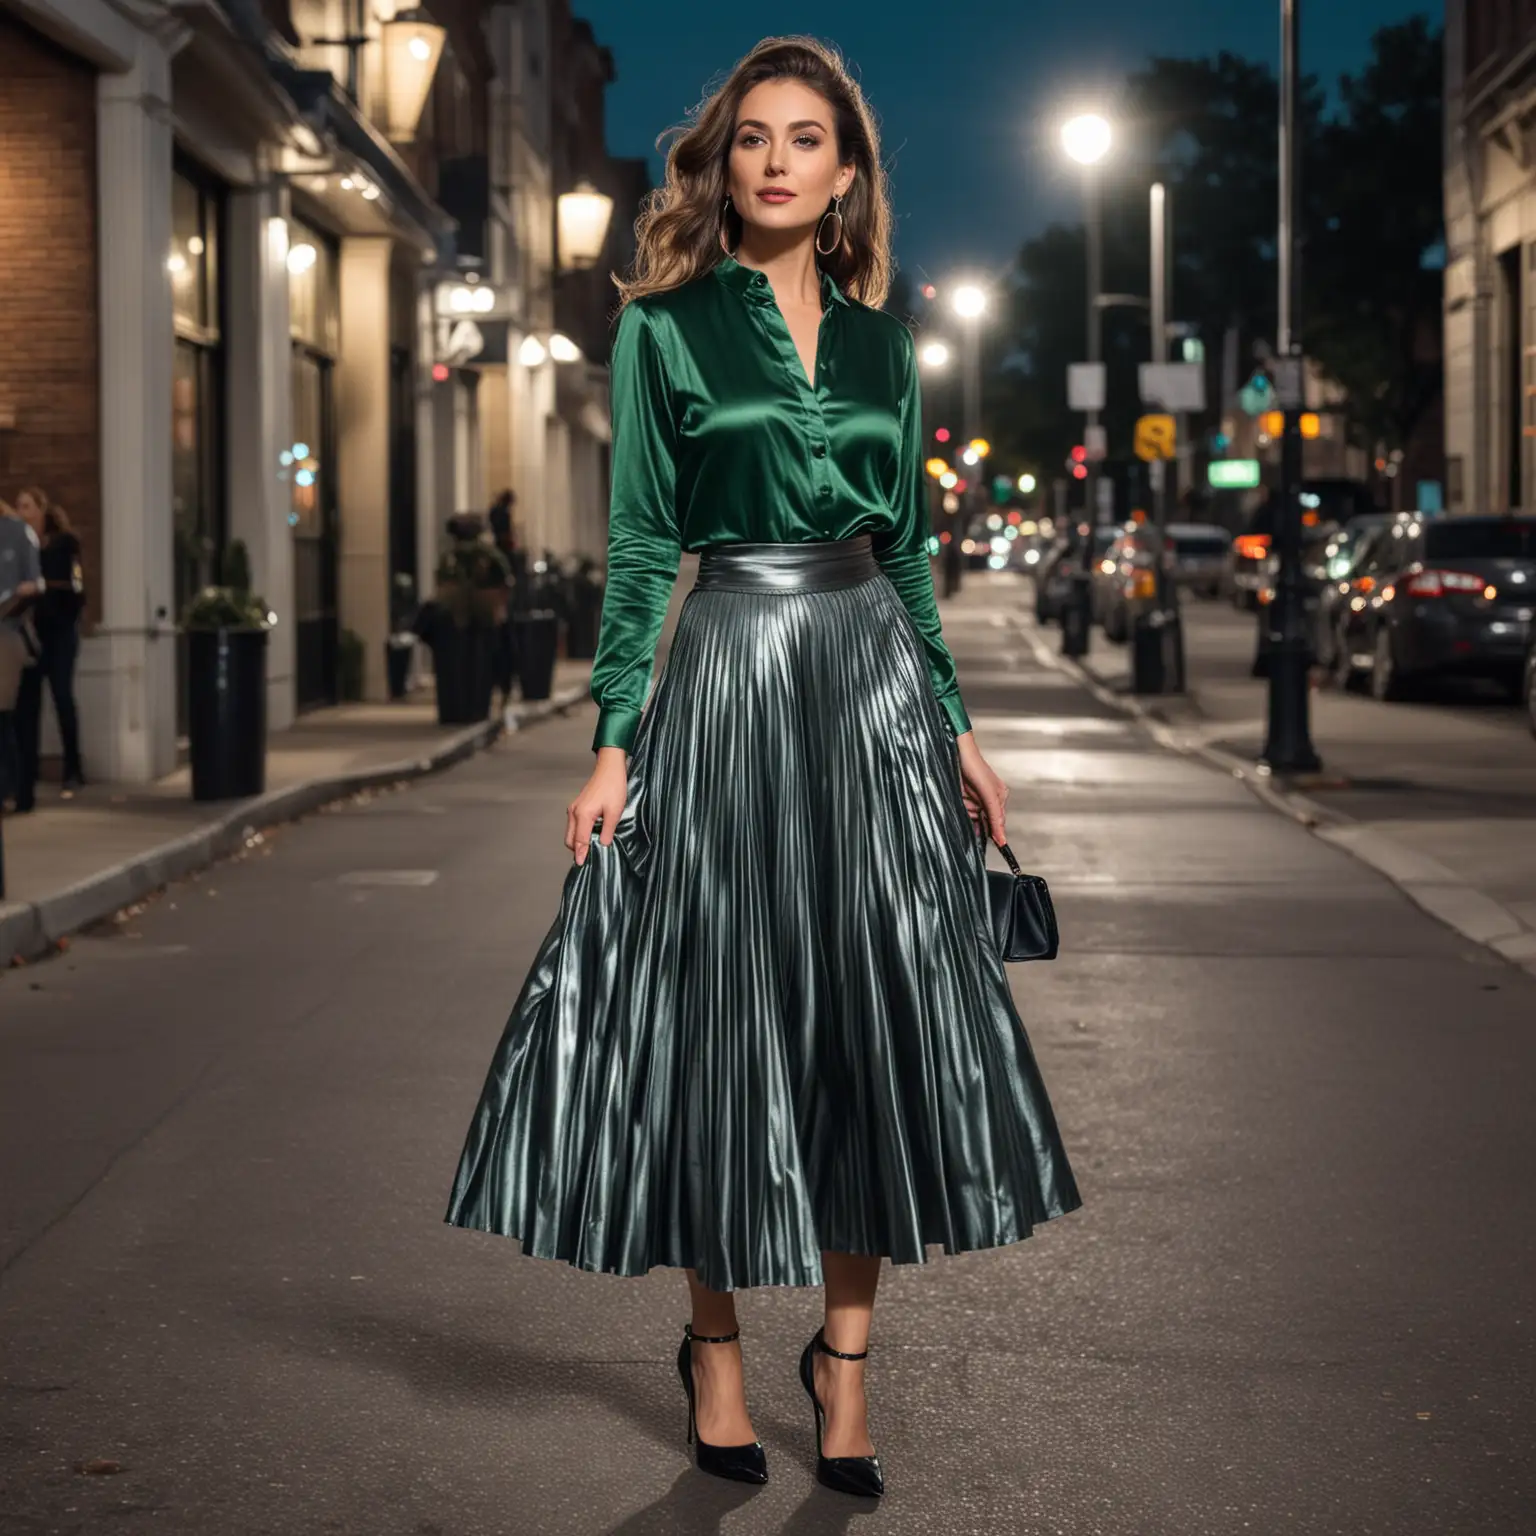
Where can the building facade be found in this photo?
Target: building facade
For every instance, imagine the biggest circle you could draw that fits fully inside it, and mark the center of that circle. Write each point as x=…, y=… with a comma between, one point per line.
x=232, y=242
x=1490, y=277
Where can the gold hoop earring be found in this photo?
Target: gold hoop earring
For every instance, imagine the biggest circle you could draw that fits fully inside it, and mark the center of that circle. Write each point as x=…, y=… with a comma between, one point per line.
x=836, y=212
x=725, y=210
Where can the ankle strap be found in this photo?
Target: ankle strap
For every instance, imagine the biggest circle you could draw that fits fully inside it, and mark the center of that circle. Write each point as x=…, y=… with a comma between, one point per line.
x=700, y=1338
x=827, y=1349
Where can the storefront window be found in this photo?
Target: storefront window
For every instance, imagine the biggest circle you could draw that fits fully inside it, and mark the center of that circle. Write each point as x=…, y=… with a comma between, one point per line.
x=312, y=302
x=314, y=318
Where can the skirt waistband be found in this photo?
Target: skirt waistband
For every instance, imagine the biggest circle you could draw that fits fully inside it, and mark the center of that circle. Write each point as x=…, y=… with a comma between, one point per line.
x=816, y=566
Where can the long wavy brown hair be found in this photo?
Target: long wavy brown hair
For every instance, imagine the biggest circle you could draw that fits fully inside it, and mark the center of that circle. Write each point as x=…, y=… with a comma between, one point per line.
x=678, y=232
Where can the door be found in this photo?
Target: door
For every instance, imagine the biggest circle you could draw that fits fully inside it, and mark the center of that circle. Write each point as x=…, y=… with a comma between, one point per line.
x=314, y=531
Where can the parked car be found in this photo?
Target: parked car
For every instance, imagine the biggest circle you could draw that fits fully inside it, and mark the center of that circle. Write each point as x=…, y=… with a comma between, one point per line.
x=1053, y=573
x=1342, y=579
x=1326, y=505
x=1455, y=596
x=1199, y=552
x=1530, y=684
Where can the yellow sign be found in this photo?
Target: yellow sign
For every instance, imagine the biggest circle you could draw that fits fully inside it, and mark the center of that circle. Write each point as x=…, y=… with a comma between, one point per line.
x=1155, y=437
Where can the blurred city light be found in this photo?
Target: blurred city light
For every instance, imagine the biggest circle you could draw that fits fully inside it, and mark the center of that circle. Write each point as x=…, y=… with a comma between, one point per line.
x=1085, y=138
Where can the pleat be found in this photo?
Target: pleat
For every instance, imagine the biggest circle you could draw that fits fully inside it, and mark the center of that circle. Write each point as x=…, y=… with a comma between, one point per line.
x=770, y=1019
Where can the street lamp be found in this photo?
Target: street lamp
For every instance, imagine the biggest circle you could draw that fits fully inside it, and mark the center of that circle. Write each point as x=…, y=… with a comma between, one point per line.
x=1086, y=139
x=934, y=354
x=412, y=44
x=969, y=302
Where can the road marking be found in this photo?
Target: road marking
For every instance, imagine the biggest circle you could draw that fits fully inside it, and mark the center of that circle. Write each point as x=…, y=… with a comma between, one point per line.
x=394, y=878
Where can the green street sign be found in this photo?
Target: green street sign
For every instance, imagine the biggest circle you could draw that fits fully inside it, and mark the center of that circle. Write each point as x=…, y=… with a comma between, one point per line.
x=1257, y=395
x=1233, y=474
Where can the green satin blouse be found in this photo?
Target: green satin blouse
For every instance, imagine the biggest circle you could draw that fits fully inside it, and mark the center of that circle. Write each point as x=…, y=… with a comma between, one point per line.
x=718, y=437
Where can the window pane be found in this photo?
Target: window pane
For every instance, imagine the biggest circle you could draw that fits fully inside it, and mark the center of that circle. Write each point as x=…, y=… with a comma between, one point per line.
x=1472, y=539
x=190, y=510
x=186, y=261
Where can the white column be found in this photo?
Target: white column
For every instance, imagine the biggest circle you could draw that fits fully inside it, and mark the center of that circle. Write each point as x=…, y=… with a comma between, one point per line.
x=259, y=415
x=362, y=410
x=429, y=515
x=128, y=667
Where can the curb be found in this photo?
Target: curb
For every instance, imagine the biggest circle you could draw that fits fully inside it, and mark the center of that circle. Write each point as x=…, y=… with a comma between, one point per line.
x=1429, y=885
x=30, y=930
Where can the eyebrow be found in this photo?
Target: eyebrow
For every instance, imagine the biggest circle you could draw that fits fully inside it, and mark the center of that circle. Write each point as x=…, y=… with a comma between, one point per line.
x=805, y=122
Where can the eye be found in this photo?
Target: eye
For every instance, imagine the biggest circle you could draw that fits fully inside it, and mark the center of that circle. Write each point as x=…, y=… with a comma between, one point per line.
x=808, y=139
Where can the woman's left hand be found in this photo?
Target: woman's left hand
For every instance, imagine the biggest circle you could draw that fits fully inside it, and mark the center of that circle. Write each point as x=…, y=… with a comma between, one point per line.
x=985, y=795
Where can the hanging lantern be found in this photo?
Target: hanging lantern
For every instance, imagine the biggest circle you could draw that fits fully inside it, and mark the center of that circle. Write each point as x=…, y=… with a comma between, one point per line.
x=413, y=43
x=582, y=222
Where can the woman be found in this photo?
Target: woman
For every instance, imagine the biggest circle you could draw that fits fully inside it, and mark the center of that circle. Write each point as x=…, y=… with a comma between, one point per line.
x=56, y=621
x=768, y=1039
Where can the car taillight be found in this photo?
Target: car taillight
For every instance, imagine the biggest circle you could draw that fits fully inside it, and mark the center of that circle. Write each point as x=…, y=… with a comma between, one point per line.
x=1251, y=546
x=1432, y=583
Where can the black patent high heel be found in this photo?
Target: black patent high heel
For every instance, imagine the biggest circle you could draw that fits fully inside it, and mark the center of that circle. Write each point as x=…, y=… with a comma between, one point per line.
x=845, y=1474
x=740, y=1463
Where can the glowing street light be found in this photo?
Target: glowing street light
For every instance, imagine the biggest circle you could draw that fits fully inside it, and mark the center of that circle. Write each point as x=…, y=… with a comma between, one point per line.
x=969, y=301
x=1026, y=483
x=1086, y=138
x=934, y=354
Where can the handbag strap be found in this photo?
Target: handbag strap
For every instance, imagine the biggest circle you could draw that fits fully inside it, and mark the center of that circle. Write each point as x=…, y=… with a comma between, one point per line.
x=1002, y=848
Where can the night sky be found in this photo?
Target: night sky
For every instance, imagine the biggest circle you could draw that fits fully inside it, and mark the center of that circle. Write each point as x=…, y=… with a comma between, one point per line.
x=966, y=102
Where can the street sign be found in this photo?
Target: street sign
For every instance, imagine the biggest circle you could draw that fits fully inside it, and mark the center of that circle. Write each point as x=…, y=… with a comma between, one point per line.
x=1173, y=386
x=1290, y=390
x=1095, y=444
x=1156, y=437
x=1257, y=395
x=1233, y=474
x=1085, y=386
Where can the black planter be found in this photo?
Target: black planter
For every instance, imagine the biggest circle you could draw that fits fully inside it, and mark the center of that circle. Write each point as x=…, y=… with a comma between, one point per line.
x=581, y=628
x=397, y=668
x=227, y=712
x=537, y=633
x=463, y=662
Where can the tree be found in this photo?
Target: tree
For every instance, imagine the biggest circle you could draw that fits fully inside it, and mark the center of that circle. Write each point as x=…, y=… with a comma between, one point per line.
x=1372, y=281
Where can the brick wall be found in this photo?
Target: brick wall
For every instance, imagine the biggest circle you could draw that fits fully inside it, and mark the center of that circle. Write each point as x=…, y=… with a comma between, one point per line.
x=48, y=304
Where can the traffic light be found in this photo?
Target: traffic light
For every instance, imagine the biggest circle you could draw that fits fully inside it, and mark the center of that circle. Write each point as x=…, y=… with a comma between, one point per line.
x=941, y=435
x=1079, y=454
x=1002, y=488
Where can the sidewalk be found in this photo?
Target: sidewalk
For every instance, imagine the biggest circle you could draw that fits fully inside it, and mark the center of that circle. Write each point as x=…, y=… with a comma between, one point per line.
x=71, y=863
x=1439, y=796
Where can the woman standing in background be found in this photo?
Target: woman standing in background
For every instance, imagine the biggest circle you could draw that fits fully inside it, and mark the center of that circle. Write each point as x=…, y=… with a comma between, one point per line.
x=56, y=620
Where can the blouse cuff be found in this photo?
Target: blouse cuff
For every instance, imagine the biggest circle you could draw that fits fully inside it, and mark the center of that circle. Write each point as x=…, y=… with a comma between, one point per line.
x=616, y=727
x=959, y=721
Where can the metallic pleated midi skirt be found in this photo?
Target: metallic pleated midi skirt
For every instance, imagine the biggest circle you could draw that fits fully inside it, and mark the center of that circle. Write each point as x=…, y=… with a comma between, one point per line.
x=769, y=1019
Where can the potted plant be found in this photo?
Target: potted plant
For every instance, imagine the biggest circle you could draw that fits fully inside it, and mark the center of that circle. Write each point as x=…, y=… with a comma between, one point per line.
x=459, y=624
x=226, y=628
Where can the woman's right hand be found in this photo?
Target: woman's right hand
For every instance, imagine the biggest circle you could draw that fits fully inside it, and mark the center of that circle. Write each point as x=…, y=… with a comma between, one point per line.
x=603, y=795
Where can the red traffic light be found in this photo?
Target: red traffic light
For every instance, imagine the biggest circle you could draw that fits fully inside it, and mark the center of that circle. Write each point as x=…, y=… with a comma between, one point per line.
x=1079, y=454
x=1079, y=471
x=440, y=372
x=942, y=435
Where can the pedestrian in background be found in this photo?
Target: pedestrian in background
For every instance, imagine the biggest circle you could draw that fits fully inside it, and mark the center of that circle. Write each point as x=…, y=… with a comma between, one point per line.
x=504, y=536
x=767, y=1039
x=56, y=623
x=21, y=582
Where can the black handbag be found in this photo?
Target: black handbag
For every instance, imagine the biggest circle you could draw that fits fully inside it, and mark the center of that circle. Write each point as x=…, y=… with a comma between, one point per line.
x=1023, y=919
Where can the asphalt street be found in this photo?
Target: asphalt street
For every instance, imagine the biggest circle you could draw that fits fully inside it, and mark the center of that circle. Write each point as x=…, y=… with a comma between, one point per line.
x=1298, y=1297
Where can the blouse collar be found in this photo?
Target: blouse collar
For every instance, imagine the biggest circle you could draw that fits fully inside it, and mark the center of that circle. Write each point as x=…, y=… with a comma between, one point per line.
x=752, y=282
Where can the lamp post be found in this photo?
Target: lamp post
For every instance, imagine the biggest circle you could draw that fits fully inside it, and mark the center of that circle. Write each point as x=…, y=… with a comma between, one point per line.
x=969, y=302
x=1288, y=739
x=1086, y=139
